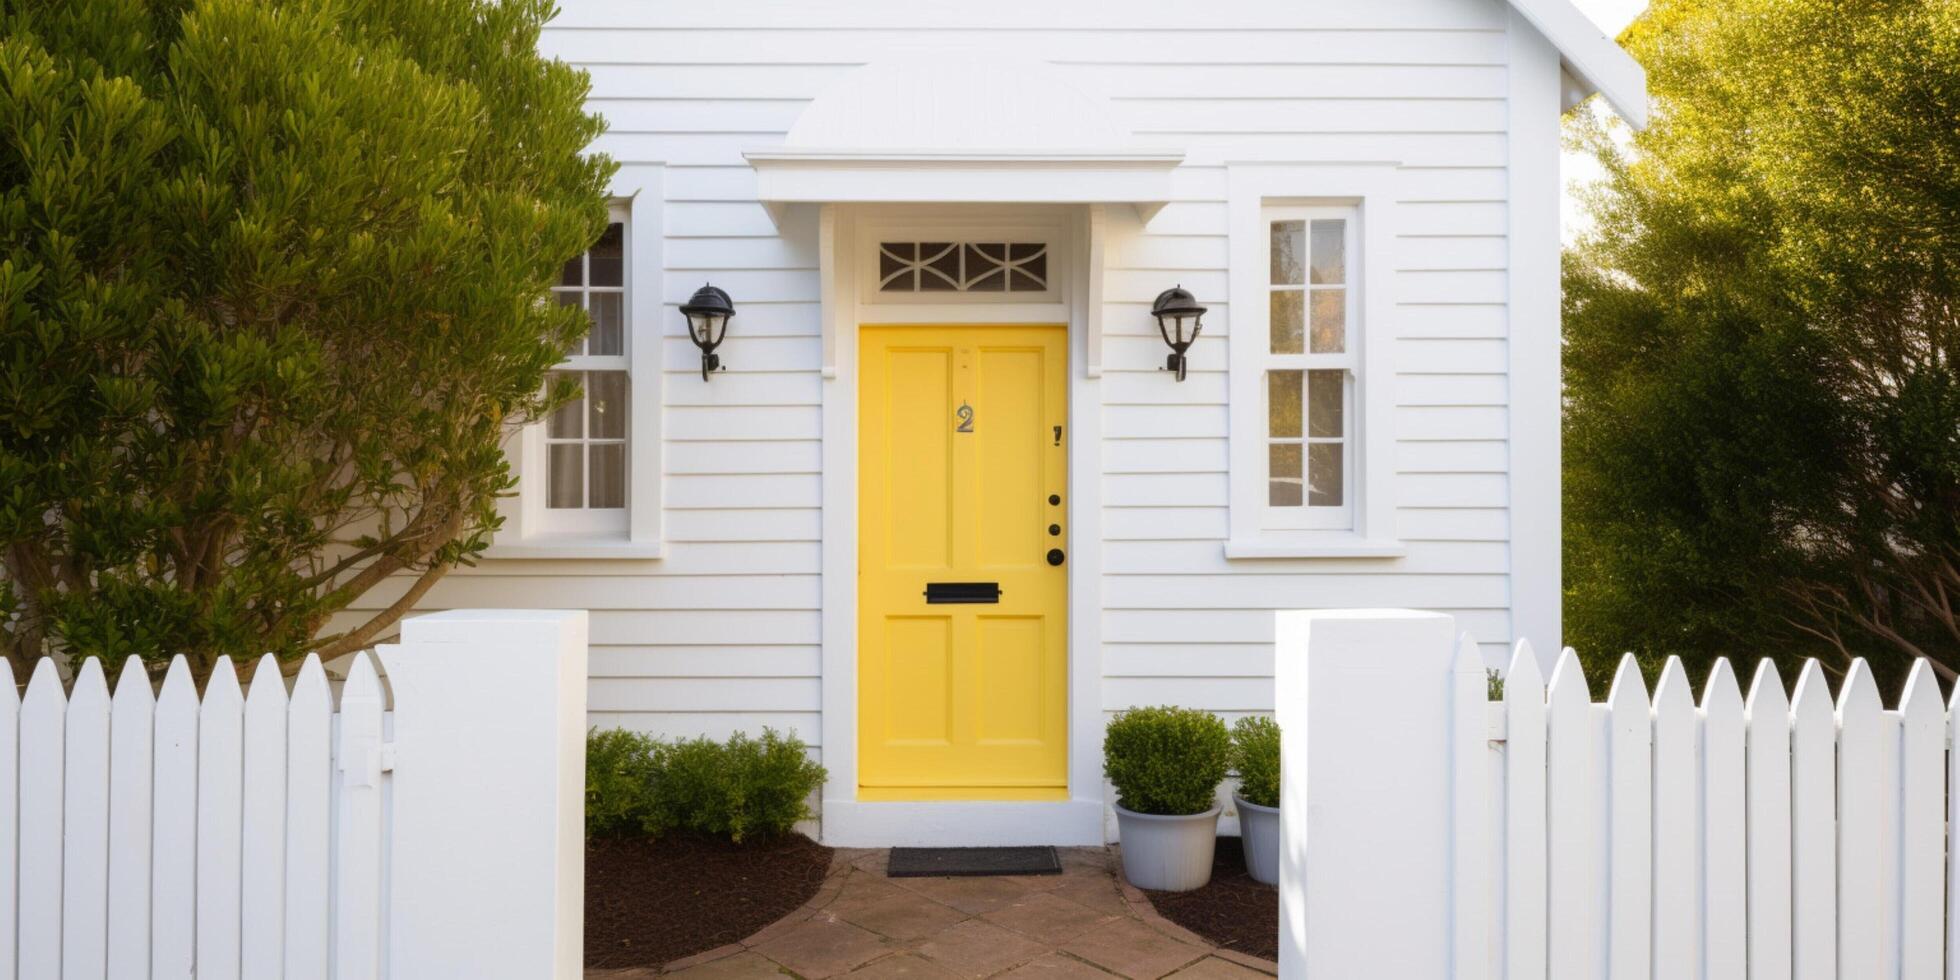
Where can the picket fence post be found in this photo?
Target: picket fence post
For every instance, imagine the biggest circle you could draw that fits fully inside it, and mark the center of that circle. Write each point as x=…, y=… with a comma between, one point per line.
x=1364, y=703
x=489, y=789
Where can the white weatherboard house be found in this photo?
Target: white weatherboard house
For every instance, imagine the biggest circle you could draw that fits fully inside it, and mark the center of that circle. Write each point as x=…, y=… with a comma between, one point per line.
x=943, y=508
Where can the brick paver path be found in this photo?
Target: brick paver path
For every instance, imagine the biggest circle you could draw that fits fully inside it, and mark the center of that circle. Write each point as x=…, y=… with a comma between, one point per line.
x=1082, y=923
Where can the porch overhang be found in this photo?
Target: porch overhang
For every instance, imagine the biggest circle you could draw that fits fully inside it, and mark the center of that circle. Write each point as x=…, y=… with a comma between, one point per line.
x=962, y=129
x=1139, y=178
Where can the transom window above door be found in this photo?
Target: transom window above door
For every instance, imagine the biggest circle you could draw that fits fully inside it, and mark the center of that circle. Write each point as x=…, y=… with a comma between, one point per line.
x=963, y=267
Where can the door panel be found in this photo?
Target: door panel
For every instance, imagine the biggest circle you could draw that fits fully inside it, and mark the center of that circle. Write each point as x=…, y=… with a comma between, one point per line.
x=961, y=443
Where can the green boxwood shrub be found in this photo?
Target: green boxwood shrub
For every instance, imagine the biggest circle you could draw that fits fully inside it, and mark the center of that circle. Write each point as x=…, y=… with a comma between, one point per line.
x=1166, y=760
x=742, y=788
x=620, y=769
x=1255, y=754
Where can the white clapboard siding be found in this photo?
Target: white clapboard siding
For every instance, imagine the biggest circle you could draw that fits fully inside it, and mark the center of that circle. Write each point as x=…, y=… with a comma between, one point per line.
x=1423, y=82
x=1723, y=908
x=1767, y=798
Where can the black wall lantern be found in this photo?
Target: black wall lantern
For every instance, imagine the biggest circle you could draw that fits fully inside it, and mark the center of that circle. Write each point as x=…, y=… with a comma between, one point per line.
x=1179, y=318
x=707, y=324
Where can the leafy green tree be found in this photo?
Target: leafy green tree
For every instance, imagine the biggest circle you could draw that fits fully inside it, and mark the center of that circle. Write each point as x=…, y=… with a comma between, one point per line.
x=1763, y=341
x=273, y=282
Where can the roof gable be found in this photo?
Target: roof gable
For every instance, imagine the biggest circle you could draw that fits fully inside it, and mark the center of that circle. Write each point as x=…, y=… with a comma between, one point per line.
x=1590, y=57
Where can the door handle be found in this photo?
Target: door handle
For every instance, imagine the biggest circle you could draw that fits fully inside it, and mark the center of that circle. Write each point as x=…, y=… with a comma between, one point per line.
x=1055, y=556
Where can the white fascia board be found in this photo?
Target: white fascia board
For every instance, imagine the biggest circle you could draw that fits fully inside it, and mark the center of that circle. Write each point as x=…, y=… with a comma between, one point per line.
x=1140, y=178
x=1590, y=57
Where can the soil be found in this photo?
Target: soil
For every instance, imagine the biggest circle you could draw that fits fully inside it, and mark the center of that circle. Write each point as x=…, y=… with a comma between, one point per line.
x=1233, y=911
x=649, y=902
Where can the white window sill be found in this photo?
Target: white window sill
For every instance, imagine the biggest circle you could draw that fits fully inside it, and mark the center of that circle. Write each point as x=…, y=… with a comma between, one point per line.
x=1328, y=546
x=567, y=546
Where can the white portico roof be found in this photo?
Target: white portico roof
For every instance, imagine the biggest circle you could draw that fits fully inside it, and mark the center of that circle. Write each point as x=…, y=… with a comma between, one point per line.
x=962, y=128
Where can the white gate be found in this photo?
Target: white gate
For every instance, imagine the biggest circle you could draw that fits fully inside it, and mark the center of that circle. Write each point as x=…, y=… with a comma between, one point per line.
x=1711, y=835
x=265, y=833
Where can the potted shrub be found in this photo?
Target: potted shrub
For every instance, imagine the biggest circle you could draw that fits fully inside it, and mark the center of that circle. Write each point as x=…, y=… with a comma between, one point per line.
x=1255, y=754
x=1166, y=764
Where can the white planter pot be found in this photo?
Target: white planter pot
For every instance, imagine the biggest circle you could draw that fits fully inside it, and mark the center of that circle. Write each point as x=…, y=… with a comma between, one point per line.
x=1259, y=832
x=1168, y=854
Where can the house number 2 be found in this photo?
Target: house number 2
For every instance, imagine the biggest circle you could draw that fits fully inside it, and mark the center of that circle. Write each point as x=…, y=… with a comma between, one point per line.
x=965, y=414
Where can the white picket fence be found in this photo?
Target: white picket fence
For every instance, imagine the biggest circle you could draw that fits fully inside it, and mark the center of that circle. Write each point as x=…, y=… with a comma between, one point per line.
x=263, y=833
x=1719, y=836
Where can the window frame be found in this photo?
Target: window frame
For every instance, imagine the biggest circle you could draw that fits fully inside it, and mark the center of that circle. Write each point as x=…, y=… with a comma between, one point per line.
x=532, y=529
x=1348, y=361
x=1363, y=195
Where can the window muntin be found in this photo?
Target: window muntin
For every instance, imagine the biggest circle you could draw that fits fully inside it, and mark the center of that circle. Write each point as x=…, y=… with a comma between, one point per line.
x=586, y=441
x=962, y=267
x=1309, y=361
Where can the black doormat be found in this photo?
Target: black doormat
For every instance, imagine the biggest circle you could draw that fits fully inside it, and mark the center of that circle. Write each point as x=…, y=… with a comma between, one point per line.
x=933, y=862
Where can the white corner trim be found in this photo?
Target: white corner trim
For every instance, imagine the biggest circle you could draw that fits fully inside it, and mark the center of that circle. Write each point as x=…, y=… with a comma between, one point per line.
x=1590, y=56
x=1532, y=325
x=1095, y=223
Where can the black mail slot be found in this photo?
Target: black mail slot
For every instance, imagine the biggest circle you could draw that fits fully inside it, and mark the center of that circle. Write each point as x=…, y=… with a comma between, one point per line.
x=962, y=592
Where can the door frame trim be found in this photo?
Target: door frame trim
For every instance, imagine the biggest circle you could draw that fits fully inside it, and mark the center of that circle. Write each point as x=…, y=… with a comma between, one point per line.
x=846, y=820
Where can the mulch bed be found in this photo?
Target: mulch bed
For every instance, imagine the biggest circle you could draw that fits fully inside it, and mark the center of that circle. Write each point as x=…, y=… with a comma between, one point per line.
x=649, y=902
x=1233, y=911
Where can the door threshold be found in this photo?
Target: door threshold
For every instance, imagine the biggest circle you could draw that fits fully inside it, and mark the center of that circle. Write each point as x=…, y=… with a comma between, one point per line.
x=970, y=794
x=962, y=823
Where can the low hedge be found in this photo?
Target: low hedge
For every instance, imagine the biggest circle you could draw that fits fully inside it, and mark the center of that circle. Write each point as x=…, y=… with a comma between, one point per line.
x=742, y=788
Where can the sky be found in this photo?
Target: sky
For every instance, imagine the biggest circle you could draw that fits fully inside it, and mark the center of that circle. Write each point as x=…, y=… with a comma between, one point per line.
x=1611, y=16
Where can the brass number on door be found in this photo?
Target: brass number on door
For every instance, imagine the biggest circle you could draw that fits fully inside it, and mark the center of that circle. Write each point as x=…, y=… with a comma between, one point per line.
x=965, y=414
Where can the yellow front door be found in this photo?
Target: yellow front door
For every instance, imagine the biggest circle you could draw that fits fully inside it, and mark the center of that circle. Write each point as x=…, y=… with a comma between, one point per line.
x=962, y=581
